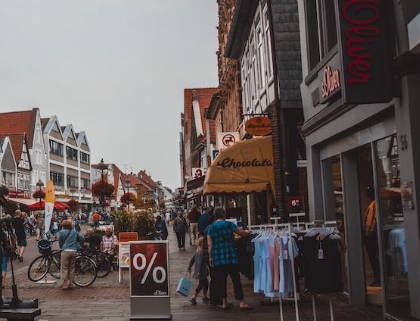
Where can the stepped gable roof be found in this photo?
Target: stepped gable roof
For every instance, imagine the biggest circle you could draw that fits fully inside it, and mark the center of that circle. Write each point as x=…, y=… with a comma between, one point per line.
x=19, y=122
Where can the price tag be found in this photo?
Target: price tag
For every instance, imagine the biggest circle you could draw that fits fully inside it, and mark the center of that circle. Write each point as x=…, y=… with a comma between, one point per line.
x=285, y=255
x=320, y=254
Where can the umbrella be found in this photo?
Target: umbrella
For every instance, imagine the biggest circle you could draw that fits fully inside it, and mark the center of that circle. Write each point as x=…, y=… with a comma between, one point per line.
x=41, y=205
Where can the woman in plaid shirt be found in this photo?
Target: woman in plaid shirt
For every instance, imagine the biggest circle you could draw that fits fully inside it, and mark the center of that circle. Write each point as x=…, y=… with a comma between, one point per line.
x=224, y=257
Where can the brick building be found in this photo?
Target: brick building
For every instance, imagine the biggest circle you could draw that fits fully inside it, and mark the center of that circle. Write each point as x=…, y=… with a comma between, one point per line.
x=226, y=106
x=197, y=137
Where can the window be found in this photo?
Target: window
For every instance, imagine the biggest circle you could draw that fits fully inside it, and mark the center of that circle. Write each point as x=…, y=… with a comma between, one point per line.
x=256, y=62
x=57, y=178
x=321, y=27
x=267, y=44
x=84, y=158
x=260, y=58
x=85, y=182
x=56, y=148
x=72, y=181
x=71, y=153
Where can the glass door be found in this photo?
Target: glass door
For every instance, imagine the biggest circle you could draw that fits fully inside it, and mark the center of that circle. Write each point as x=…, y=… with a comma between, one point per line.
x=394, y=252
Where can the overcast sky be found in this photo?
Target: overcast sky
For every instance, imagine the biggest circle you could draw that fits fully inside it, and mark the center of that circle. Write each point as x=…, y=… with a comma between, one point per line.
x=114, y=68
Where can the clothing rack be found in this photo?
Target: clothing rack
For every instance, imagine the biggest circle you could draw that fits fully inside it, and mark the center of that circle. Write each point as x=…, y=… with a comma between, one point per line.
x=288, y=228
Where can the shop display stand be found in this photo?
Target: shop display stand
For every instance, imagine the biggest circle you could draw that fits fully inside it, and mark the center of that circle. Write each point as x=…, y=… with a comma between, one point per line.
x=330, y=306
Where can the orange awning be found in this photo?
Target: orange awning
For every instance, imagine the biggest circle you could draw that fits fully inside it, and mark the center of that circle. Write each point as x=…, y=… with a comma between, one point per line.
x=245, y=167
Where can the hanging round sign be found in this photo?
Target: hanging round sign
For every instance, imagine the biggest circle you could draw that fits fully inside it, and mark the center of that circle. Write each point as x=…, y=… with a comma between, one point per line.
x=258, y=126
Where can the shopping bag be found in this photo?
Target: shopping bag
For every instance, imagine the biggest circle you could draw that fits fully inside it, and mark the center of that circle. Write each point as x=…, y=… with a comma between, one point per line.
x=184, y=286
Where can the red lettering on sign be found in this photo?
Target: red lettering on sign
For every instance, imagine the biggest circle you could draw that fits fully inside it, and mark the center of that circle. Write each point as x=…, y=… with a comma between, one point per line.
x=360, y=36
x=330, y=82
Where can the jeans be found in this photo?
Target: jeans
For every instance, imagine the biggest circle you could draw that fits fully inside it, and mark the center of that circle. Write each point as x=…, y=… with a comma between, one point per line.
x=181, y=239
x=221, y=272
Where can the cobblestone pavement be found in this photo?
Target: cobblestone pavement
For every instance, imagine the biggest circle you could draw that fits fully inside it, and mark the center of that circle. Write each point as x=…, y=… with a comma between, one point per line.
x=106, y=299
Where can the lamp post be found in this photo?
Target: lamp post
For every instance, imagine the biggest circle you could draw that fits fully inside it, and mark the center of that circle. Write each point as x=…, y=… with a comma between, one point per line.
x=102, y=167
x=40, y=184
x=127, y=184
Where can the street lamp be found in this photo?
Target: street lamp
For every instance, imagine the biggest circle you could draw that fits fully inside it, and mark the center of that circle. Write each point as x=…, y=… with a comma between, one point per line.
x=102, y=167
x=40, y=184
x=127, y=184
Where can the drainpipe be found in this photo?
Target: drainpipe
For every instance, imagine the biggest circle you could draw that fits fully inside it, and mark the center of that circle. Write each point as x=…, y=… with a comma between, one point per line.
x=279, y=132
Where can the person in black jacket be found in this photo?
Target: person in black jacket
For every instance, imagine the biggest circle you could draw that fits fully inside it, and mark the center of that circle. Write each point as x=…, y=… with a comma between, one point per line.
x=180, y=229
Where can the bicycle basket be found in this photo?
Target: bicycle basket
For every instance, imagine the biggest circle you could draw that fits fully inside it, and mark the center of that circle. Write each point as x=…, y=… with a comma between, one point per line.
x=44, y=247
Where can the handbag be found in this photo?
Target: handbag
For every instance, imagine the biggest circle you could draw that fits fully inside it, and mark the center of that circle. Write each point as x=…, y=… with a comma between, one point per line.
x=184, y=286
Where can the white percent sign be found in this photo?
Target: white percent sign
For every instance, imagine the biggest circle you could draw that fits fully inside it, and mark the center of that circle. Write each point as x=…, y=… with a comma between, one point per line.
x=143, y=265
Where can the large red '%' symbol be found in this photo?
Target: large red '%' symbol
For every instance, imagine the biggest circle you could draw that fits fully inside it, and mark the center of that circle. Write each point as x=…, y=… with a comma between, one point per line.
x=228, y=140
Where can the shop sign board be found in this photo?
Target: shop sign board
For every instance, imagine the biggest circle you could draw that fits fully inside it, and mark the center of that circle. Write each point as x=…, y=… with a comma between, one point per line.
x=149, y=269
x=214, y=154
x=330, y=83
x=258, y=126
x=149, y=280
x=365, y=51
x=198, y=172
x=226, y=139
x=124, y=237
x=124, y=255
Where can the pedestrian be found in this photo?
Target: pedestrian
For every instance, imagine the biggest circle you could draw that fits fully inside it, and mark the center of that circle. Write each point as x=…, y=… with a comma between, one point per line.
x=201, y=271
x=40, y=226
x=96, y=217
x=180, y=228
x=223, y=257
x=92, y=240
x=204, y=220
x=18, y=224
x=7, y=246
x=109, y=244
x=70, y=241
x=193, y=216
x=160, y=226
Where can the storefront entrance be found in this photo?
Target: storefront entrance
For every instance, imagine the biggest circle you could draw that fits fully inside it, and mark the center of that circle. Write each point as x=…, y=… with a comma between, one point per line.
x=361, y=189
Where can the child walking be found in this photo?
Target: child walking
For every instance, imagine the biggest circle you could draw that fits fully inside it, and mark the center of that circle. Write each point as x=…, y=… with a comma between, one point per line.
x=200, y=260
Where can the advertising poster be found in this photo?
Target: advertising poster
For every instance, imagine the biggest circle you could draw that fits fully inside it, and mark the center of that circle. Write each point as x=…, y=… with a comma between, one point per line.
x=149, y=269
x=124, y=255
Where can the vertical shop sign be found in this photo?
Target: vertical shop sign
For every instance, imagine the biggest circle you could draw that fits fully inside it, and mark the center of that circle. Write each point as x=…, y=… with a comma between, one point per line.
x=366, y=59
x=149, y=280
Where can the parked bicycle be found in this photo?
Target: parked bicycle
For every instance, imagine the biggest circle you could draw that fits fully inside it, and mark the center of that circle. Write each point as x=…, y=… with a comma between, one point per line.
x=48, y=262
x=104, y=262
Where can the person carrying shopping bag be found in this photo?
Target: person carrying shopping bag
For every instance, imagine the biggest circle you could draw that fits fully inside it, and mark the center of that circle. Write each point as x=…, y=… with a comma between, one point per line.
x=200, y=261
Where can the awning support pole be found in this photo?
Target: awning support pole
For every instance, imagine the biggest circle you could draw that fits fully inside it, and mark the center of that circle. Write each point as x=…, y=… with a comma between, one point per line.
x=248, y=208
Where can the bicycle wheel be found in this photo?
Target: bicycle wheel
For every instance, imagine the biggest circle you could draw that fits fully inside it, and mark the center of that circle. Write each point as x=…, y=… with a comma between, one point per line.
x=84, y=271
x=55, y=266
x=39, y=268
x=103, y=265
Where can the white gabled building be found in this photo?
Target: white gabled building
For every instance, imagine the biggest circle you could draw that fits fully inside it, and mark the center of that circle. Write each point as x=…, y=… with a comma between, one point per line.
x=68, y=161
